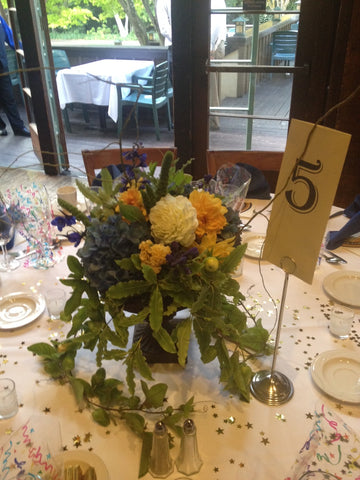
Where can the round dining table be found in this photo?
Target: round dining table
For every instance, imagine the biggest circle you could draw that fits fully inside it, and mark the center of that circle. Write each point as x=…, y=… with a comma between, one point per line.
x=236, y=440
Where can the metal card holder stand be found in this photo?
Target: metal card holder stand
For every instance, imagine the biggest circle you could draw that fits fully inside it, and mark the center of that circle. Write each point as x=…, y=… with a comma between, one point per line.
x=270, y=386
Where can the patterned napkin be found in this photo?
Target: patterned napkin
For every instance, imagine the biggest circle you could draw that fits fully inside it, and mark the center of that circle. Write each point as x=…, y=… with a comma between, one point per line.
x=332, y=447
x=32, y=449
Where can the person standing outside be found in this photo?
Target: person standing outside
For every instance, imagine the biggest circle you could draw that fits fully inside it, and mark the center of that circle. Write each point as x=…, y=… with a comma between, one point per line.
x=217, y=51
x=163, y=15
x=7, y=99
x=217, y=46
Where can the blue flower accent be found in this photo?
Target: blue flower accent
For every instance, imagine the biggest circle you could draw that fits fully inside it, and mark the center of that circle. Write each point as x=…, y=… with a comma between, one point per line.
x=63, y=221
x=75, y=238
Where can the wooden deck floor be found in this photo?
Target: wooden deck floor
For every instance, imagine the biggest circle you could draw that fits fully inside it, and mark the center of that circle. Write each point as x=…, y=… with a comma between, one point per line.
x=272, y=98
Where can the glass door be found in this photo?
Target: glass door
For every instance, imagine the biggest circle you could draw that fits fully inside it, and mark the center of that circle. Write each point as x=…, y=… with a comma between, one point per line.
x=253, y=78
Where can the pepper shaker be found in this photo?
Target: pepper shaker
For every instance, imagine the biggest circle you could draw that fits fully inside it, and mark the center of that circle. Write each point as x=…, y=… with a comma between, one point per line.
x=161, y=464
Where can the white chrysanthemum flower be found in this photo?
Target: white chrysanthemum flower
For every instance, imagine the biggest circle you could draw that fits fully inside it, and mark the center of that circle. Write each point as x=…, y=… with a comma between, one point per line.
x=174, y=219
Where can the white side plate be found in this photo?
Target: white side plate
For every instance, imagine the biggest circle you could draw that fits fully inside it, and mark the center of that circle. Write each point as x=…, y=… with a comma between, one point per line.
x=19, y=309
x=337, y=373
x=255, y=243
x=85, y=459
x=344, y=287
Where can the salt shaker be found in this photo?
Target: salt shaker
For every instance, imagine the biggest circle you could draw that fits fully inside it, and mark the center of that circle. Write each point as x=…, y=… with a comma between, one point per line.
x=189, y=461
x=161, y=464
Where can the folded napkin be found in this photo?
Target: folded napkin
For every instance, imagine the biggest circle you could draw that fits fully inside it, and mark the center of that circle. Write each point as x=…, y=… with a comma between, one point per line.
x=332, y=447
x=335, y=239
x=28, y=450
x=114, y=170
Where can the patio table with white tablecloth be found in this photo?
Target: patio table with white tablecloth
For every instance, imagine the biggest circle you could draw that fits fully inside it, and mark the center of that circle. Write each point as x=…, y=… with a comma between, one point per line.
x=236, y=440
x=94, y=82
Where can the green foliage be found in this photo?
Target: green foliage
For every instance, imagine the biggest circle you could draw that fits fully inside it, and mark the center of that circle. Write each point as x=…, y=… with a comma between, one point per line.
x=110, y=278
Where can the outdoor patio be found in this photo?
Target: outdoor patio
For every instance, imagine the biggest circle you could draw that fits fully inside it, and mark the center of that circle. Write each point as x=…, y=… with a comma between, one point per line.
x=272, y=98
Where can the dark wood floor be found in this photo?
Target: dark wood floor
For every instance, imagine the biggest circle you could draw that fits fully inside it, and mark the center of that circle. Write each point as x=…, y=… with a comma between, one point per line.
x=272, y=98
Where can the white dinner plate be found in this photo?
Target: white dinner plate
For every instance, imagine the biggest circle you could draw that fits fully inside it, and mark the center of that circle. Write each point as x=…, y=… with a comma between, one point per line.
x=337, y=373
x=344, y=287
x=84, y=459
x=19, y=309
x=255, y=243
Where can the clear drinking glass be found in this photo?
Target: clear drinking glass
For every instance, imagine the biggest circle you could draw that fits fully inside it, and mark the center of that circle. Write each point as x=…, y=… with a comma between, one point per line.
x=6, y=233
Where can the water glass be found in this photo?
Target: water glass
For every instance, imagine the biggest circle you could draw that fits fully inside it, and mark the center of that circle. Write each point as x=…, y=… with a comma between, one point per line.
x=55, y=299
x=341, y=320
x=6, y=235
x=8, y=398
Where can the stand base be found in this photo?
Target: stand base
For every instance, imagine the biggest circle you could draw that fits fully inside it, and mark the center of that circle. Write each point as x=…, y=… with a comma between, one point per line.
x=272, y=389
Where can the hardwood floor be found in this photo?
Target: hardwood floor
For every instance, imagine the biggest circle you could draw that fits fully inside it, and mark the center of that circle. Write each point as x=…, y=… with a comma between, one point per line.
x=19, y=164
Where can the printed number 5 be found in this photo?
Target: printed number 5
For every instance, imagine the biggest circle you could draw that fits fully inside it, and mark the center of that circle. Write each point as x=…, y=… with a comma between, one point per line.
x=312, y=193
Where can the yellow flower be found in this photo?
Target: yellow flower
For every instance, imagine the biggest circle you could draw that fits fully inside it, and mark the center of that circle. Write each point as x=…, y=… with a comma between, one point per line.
x=153, y=254
x=132, y=196
x=210, y=212
x=220, y=249
x=173, y=219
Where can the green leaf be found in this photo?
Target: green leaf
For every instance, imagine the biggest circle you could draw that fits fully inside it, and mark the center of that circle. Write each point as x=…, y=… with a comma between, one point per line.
x=145, y=453
x=154, y=395
x=79, y=387
x=183, y=332
x=132, y=213
x=141, y=365
x=164, y=340
x=136, y=422
x=43, y=350
x=128, y=289
x=156, y=310
x=232, y=261
x=149, y=274
x=99, y=377
x=101, y=417
x=75, y=266
x=255, y=338
x=74, y=301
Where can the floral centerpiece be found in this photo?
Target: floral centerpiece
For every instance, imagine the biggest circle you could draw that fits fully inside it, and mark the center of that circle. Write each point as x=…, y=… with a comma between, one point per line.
x=152, y=245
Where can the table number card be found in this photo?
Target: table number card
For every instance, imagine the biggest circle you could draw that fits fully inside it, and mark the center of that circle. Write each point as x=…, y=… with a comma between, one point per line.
x=305, y=196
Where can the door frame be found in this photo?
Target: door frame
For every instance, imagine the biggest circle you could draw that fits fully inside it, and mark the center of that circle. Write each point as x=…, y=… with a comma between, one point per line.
x=314, y=91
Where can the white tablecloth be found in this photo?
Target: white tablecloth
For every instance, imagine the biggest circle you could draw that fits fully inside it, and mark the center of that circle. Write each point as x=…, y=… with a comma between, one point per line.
x=236, y=440
x=77, y=84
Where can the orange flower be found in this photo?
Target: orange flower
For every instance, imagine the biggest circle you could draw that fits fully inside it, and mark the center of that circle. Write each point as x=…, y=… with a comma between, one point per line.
x=153, y=254
x=210, y=212
x=220, y=249
x=132, y=196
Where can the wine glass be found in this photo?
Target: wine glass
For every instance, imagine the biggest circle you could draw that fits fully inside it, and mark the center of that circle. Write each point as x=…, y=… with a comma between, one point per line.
x=6, y=233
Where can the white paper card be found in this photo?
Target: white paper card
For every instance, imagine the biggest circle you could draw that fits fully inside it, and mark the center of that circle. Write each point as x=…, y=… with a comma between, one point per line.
x=304, y=195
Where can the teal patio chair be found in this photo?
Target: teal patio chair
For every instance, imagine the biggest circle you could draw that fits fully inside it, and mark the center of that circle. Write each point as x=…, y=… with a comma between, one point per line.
x=153, y=95
x=283, y=46
x=61, y=60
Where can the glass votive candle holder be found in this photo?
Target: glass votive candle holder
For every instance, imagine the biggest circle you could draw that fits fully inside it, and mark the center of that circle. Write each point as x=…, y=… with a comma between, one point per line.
x=8, y=398
x=341, y=320
x=55, y=299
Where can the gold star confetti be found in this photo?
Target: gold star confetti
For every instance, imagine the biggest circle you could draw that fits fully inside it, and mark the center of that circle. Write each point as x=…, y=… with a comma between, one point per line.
x=47, y=410
x=9, y=431
x=216, y=469
x=241, y=465
x=64, y=448
x=281, y=417
x=87, y=437
x=77, y=441
x=249, y=426
x=215, y=415
x=265, y=441
x=309, y=415
x=232, y=460
x=220, y=431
